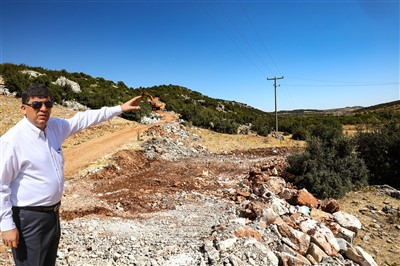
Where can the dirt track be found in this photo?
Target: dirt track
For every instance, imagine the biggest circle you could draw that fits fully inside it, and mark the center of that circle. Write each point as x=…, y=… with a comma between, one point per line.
x=80, y=156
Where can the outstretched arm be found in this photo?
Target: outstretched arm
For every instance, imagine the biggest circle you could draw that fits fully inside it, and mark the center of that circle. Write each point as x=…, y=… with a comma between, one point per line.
x=132, y=104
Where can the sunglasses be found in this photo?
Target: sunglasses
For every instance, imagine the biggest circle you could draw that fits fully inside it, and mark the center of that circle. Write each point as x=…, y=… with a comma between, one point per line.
x=38, y=105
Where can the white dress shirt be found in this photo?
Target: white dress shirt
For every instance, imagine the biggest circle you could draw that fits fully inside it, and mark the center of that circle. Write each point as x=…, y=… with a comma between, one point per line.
x=32, y=162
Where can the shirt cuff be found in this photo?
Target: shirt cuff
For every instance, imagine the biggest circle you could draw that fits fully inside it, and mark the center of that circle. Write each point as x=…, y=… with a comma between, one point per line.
x=116, y=109
x=7, y=224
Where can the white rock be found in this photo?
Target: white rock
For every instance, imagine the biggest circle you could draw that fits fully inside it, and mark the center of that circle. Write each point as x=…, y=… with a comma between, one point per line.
x=63, y=81
x=347, y=221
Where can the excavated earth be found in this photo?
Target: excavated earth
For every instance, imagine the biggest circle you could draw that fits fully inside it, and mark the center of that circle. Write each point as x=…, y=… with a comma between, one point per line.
x=137, y=185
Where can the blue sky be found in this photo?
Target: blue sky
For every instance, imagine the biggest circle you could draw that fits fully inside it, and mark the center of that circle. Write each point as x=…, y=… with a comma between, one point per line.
x=330, y=53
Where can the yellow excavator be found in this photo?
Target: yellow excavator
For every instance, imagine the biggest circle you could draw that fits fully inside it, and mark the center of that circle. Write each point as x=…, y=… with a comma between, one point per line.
x=155, y=103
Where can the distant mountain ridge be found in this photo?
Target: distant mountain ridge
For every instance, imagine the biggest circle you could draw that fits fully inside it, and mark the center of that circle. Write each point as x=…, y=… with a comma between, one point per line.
x=389, y=106
x=333, y=111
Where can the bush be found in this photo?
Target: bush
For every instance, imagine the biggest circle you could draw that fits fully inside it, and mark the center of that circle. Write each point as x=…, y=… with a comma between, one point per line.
x=300, y=133
x=380, y=150
x=328, y=167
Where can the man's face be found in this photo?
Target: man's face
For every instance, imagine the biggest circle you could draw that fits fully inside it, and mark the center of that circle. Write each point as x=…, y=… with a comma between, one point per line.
x=38, y=116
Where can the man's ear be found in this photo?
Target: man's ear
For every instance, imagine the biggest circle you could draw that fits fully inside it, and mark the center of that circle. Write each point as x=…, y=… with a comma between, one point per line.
x=23, y=109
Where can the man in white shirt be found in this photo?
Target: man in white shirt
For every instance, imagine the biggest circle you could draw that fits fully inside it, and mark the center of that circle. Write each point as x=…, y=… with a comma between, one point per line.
x=32, y=174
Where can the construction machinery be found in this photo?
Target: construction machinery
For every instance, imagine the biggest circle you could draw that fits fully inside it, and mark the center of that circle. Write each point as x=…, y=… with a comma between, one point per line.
x=155, y=103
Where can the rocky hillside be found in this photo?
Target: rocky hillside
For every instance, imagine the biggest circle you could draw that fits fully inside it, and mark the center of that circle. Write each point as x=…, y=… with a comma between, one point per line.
x=186, y=197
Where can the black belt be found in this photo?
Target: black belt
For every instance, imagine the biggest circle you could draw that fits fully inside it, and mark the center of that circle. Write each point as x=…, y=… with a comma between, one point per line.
x=53, y=208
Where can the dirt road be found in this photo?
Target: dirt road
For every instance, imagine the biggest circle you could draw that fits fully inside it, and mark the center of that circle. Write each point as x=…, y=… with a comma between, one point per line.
x=81, y=156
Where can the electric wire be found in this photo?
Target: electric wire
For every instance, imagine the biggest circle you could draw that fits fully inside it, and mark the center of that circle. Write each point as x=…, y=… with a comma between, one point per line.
x=243, y=37
x=284, y=92
x=342, y=85
x=286, y=97
x=259, y=38
x=233, y=41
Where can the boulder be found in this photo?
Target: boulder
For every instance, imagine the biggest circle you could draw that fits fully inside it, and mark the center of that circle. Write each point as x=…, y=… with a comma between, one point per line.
x=316, y=252
x=300, y=239
x=329, y=205
x=358, y=255
x=320, y=235
x=276, y=184
x=341, y=232
x=292, y=260
x=321, y=216
x=303, y=197
x=347, y=221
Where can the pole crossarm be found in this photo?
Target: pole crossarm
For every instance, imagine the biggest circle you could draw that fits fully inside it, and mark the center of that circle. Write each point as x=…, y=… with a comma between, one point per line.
x=276, y=109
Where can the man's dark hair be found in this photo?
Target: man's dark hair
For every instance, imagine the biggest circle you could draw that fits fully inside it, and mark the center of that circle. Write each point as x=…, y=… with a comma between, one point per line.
x=35, y=90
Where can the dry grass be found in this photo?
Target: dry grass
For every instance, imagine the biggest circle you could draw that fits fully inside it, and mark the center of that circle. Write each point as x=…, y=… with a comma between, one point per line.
x=380, y=234
x=217, y=142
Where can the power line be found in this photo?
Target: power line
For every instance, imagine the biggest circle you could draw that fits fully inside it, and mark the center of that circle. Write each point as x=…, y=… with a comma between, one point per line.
x=343, y=85
x=232, y=40
x=340, y=81
x=243, y=37
x=259, y=37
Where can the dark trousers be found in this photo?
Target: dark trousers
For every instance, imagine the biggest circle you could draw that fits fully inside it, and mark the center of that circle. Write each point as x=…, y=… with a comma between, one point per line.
x=39, y=235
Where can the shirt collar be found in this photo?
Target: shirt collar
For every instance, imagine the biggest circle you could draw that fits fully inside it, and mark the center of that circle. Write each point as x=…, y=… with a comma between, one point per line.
x=35, y=130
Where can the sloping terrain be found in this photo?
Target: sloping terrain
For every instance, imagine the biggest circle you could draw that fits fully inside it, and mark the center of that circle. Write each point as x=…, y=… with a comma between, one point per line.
x=163, y=187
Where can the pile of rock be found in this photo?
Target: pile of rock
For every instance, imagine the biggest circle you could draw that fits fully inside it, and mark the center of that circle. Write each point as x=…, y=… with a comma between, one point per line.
x=278, y=223
x=151, y=119
x=392, y=192
x=171, y=141
x=173, y=237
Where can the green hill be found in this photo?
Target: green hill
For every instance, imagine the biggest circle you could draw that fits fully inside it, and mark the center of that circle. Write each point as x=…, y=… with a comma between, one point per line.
x=384, y=107
x=95, y=92
x=195, y=108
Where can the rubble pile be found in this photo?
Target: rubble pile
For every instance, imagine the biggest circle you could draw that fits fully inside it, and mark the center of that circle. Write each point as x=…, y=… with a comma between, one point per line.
x=279, y=223
x=171, y=141
x=151, y=119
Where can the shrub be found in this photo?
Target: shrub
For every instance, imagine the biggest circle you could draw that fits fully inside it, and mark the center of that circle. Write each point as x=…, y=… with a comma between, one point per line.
x=328, y=167
x=380, y=150
x=300, y=133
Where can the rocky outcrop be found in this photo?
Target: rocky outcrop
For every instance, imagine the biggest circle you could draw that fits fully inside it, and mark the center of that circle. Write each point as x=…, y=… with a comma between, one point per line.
x=63, y=81
x=74, y=105
x=32, y=73
x=4, y=90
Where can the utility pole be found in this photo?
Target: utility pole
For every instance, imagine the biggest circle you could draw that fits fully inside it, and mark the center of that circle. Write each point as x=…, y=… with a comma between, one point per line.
x=276, y=110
